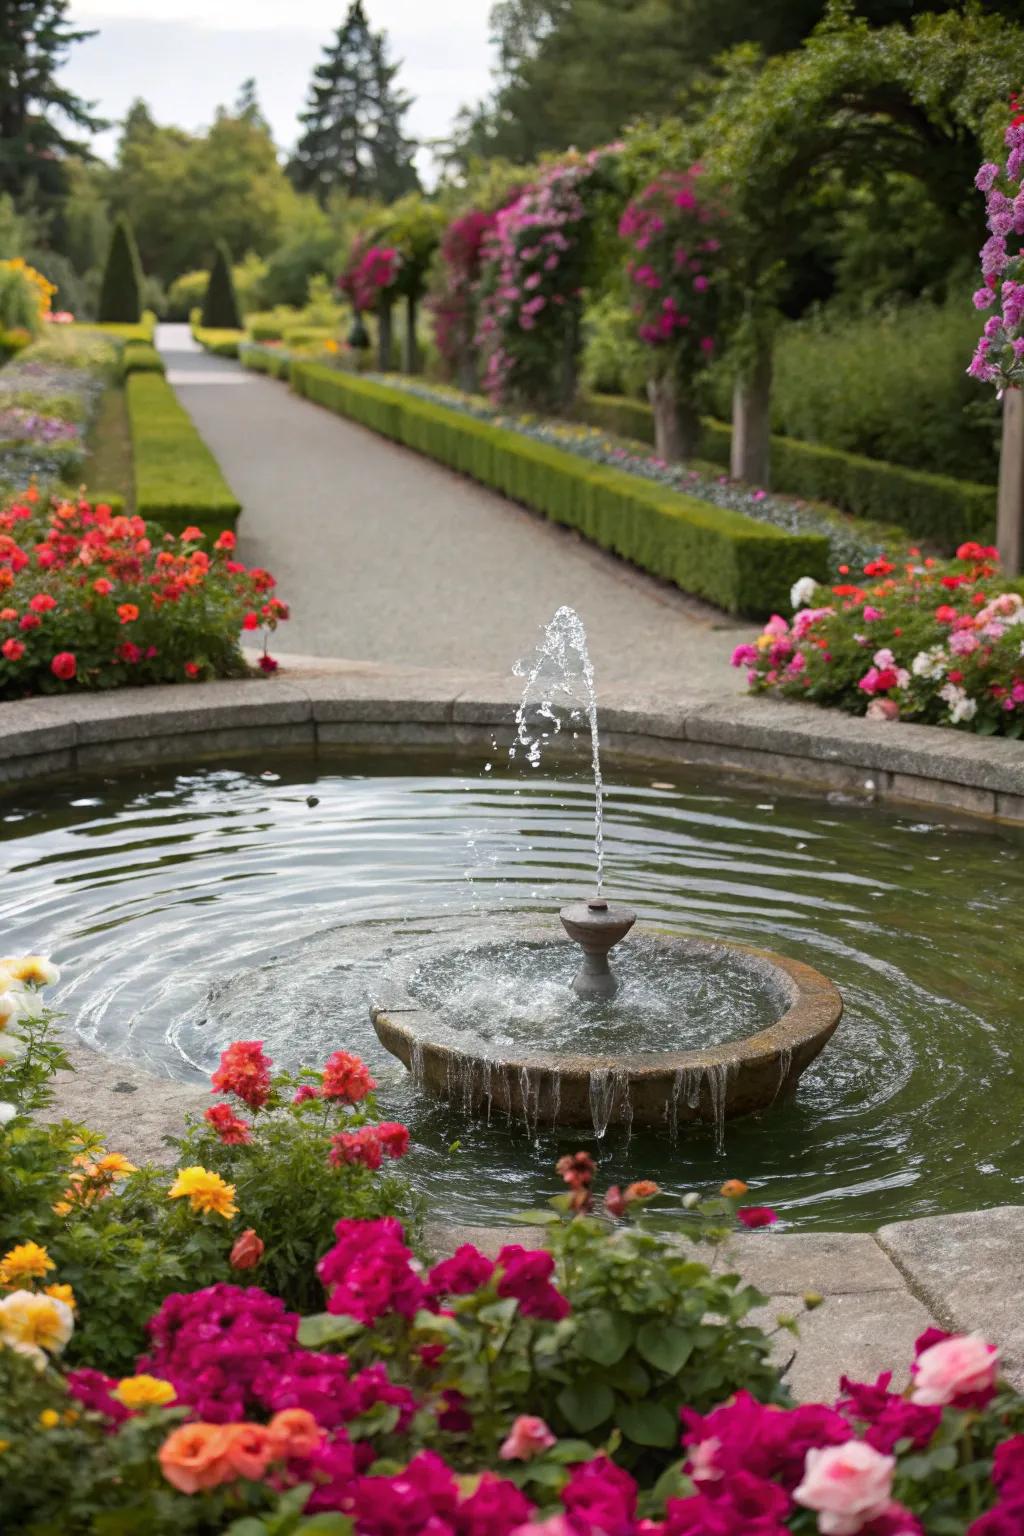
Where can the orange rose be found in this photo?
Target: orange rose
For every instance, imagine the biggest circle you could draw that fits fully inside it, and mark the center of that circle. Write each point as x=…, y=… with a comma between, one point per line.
x=195, y=1457
x=294, y=1432
x=247, y=1250
x=734, y=1189
x=250, y=1448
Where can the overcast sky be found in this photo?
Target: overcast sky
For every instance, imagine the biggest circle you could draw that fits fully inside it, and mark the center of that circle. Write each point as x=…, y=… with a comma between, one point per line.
x=185, y=63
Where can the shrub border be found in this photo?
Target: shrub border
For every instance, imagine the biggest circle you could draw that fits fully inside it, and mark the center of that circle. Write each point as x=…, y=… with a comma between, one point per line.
x=177, y=479
x=745, y=567
x=938, y=508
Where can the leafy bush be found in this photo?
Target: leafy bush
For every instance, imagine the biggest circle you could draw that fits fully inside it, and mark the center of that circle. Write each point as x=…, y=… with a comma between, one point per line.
x=25, y=296
x=222, y=343
x=929, y=641
x=177, y=479
x=121, y=289
x=220, y=303
x=93, y=600
x=614, y=360
x=743, y=566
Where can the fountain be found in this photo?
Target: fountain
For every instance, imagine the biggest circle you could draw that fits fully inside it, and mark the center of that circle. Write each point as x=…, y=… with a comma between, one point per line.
x=692, y=1029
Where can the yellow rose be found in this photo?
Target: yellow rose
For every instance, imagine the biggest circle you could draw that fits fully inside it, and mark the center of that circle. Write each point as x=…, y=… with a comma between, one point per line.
x=49, y=1418
x=137, y=1392
x=40, y=1322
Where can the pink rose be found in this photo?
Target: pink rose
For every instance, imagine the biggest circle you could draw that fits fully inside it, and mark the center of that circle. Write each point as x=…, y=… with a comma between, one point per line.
x=883, y=709
x=957, y=1367
x=528, y=1437
x=848, y=1485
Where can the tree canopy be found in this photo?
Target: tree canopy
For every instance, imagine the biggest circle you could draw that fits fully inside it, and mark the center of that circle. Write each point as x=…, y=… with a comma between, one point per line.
x=36, y=110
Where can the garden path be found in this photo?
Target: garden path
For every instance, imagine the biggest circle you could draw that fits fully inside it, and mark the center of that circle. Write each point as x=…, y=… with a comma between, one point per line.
x=387, y=557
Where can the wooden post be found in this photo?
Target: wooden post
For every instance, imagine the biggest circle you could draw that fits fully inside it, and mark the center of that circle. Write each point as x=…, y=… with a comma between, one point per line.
x=384, y=336
x=410, y=347
x=750, y=456
x=1010, y=520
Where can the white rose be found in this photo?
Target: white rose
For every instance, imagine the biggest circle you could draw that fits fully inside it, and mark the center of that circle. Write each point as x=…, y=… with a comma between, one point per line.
x=7, y=1111
x=801, y=594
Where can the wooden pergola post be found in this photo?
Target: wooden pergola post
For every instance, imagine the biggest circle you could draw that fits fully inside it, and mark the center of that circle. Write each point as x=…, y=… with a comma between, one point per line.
x=1010, y=518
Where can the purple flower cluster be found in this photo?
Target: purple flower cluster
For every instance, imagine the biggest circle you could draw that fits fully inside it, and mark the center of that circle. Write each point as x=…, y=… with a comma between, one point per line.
x=19, y=424
x=999, y=356
x=672, y=233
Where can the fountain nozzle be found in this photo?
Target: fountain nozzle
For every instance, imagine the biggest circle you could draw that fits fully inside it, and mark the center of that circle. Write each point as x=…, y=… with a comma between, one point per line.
x=596, y=927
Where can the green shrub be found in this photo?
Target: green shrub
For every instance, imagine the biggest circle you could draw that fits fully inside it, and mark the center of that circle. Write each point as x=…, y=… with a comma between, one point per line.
x=140, y=357
x=308, y=335
x=177, y=479
x=936, y=508
x=121, y=289
x=274, y=361
x=743, y=566
x=220, y=306
x=265, y=327
x=139, y=330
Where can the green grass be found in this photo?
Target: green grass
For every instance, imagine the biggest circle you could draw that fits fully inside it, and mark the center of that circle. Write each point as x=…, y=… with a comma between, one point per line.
x=109, y=467
x=177, y=481
x=743, y=566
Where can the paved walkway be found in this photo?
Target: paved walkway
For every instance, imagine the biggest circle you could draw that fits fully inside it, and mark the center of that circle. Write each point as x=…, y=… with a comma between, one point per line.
x=385, y=556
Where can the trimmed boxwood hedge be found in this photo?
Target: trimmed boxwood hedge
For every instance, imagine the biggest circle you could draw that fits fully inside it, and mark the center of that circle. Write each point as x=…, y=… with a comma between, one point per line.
x=937, y=508
x=220, y=343
x=177, y=479
x=265, y=360
x=743, y=566
x=140, y=357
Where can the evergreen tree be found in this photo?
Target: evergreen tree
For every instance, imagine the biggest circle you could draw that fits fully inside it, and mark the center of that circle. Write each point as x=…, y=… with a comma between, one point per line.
x=353, y=137
x=35, y=38
x=121, y=289
x=220, y=306
x=247, y=106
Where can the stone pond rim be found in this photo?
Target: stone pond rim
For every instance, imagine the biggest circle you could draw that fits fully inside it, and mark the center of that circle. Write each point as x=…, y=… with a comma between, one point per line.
x=720, y=1082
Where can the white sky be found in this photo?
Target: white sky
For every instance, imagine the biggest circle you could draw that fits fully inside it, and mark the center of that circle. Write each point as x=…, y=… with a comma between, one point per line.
x=185, y=63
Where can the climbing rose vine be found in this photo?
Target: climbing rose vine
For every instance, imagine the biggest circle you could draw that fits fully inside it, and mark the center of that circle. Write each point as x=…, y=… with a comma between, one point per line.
x=372, y=273
x=999, y=356
x=453, y=302
x=531, y=288
x=675, y=267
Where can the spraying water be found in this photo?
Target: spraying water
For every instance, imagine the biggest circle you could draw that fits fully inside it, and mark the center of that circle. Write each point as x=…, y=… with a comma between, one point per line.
x=561, y=672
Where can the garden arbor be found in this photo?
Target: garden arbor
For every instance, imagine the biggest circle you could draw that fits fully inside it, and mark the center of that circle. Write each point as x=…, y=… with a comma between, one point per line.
x=851, y=106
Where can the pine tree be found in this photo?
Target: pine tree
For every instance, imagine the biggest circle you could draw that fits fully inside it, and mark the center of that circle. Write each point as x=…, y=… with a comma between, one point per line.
x=220, y=306
x=353, y=137
x=35, y=38
x=121, y=289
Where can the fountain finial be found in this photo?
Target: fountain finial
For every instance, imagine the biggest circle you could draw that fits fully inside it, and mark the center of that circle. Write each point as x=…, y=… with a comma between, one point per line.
x=596, y=927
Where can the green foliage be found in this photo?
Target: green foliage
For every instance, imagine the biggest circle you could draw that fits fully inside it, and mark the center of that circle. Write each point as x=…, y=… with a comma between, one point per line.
x=352, y=139
x=222, y=343
x=140, y=357
x=936, y=508
x=141, y=330
x=614, y=361
x=35, y=105
x=258, y=358
x=177, y=480
x=742, y=566
x=220, y=304
x=19, y=299
x=121, y=289
x=188, y=291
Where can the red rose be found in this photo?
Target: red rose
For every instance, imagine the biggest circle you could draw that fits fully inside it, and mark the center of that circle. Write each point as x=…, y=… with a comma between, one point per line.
x=754, y=1216
x=247, y=1251
x=63, y=664
x=12, y=650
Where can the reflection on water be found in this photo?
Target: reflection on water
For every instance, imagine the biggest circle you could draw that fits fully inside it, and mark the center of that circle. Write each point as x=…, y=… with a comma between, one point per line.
x=192, y=908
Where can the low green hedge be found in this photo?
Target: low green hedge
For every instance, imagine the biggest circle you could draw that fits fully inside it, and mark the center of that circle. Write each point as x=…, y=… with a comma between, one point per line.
x=936, y=508
x=142, y=330
x=275, y=362
x=220, y=343
x=140, y=357
x=743, y=566
x=177, y=479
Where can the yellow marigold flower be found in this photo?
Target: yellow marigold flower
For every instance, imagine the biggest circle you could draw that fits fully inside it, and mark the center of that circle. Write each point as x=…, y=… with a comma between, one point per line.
x=32, y=1322
x=114, y=1165
x=205, y=1191
x=49, y=1418
x=137, y=1392
x=62, y=1293
x=28, y=1261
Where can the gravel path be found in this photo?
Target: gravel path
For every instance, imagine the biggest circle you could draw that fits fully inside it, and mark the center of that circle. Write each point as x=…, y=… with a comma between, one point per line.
x=385, y=556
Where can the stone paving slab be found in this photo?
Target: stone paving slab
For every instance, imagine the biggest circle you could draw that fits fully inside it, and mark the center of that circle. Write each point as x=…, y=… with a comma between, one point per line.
x=969, y=1269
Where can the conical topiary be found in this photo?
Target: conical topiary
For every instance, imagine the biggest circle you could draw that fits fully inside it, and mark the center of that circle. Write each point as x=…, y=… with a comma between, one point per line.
x=121, y=289
x=220, y=307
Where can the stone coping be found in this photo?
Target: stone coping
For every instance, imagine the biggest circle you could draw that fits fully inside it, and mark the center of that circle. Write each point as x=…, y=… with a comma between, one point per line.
x=961, y=1270
x=360, y=704
x=661, y=1089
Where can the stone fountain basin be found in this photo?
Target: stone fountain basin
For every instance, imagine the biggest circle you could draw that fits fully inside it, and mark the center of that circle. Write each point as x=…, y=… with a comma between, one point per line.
x=651, y=1089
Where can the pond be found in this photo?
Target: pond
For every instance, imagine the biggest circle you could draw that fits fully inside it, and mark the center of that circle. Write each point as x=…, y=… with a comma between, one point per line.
x=262, y=900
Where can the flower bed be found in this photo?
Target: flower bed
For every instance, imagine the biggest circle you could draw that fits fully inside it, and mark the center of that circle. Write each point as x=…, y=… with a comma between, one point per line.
x=608, y=1384
x=49, y=396
x=90, y=599
x=940, y=642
